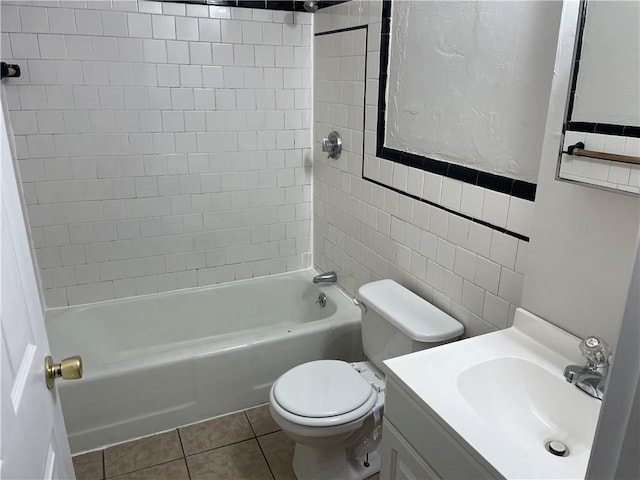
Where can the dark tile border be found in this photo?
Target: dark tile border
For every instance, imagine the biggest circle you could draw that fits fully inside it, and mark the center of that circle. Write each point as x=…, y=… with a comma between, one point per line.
x=347, y=29
x=491, y=181
x=589, y=127
x=603, y=129
x=577, y=51
x=448, y=210
x=288, y=5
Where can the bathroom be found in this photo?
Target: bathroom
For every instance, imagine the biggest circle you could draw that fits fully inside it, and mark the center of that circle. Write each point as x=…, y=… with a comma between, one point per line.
x=165, y=146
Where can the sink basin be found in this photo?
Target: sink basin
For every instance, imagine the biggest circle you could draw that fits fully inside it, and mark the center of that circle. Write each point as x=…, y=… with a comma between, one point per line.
x=529, y=404
x=505, y=395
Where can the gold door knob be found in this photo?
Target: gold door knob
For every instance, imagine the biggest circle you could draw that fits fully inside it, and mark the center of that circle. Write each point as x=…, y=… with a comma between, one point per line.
x=69, y=369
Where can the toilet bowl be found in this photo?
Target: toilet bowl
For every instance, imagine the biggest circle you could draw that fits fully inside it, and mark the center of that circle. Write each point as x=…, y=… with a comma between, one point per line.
x=332, y=409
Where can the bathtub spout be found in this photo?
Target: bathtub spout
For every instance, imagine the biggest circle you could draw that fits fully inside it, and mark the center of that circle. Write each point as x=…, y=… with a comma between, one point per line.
x=327, y=277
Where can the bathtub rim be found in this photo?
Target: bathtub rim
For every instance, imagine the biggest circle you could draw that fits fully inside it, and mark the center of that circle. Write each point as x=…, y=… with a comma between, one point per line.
x=56, y=311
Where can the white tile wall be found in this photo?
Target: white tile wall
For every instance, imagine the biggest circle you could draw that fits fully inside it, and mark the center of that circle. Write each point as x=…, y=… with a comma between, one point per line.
x=365, y=231
x=603, y=173
x=437, y=189
x=158, y=145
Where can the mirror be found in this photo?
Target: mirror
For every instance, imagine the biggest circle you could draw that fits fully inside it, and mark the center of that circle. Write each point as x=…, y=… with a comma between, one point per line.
x=601, y=138
x=468, y=83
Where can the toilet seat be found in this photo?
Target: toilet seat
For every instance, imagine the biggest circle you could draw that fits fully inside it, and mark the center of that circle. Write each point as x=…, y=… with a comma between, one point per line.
x=322, y=393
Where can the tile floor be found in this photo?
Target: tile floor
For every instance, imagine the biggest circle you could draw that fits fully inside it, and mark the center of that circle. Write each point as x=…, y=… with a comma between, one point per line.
x=243, y=445
x=246, y=445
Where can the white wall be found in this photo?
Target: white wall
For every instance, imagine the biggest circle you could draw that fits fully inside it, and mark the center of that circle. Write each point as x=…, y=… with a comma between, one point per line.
x=583, y=239
x=365, y=231
x=160, y=145
x=617, y=442
x=469, y=82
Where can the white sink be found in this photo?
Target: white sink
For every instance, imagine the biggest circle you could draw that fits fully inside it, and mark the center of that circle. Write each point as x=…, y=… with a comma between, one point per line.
x=529, y=404
x=504, y=393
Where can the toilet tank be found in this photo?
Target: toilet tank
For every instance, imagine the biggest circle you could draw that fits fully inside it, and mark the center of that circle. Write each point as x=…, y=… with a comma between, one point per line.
x=396, y=321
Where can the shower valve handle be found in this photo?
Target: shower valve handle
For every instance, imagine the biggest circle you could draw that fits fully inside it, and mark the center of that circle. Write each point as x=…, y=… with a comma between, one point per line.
x=332, y=145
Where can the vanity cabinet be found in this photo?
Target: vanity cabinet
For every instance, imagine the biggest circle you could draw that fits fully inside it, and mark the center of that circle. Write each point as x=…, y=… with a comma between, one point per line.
x=399, y=460
x=416, y=446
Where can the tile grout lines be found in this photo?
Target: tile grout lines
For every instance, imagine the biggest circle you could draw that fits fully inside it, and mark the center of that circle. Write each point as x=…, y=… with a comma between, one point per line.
x=145, y=468
x=255, y=436
x=184, y=456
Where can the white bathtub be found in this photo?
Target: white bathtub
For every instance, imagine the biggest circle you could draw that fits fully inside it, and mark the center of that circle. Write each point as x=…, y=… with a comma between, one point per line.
x=159, y=361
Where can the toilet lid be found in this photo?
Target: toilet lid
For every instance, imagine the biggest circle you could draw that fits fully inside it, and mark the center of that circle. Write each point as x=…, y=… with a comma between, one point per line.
x=320, y=389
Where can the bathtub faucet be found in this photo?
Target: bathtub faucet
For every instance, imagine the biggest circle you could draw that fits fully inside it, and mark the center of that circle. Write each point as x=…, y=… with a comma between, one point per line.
x=327, y=277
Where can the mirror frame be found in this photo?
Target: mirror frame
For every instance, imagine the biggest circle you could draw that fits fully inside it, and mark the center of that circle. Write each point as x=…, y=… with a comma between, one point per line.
x=587, y=127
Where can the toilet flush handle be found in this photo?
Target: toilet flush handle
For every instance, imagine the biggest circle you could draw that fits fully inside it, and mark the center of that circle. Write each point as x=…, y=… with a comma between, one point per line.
x=360, y=304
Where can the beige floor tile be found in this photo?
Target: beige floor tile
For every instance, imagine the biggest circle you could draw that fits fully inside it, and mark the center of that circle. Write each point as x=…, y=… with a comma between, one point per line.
x=143, y=453
x=242, y=460
x=215, y=433
x=176, y=470
x=261, y=420
x=278, y=448
x=89, y=466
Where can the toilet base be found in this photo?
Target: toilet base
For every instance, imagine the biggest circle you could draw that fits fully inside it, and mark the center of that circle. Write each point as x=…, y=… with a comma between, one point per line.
x=332, y=463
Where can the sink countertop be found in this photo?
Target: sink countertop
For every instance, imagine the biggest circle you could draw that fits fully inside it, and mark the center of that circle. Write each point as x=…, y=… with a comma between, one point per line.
x=505, y=394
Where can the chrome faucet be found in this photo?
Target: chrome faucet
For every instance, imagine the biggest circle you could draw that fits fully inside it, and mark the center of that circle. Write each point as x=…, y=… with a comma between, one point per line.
x=327, y=277
x=591, y=378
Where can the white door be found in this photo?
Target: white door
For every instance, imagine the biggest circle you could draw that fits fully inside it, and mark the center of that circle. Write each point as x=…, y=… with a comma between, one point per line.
x=33, y=439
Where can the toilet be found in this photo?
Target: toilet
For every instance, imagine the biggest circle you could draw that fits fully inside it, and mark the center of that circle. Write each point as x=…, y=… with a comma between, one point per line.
x=332, y=409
